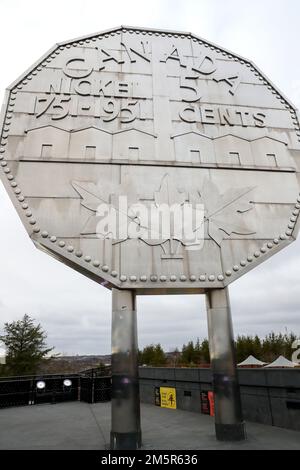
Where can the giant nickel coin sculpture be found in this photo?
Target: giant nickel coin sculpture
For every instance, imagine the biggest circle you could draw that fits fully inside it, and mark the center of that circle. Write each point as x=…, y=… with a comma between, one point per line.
x=154, y=162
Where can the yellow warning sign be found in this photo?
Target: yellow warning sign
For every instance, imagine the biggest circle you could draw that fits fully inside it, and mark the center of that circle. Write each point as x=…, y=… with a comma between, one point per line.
x=168, y=398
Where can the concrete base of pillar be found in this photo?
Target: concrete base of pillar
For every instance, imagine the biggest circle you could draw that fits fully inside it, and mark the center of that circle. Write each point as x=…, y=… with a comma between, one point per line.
x=125, y=441
x=231, y=432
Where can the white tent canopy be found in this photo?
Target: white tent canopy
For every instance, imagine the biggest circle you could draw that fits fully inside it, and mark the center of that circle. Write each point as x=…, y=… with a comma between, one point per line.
x=251, y=361
x=282, y=362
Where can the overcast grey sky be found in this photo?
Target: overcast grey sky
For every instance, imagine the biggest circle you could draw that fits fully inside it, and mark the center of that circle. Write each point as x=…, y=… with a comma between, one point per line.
x=74, y=310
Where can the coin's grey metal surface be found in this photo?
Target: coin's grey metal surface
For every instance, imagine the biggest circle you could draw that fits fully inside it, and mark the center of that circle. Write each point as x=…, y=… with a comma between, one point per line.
x=123, y=111
x=125, y=424
x=228, y=411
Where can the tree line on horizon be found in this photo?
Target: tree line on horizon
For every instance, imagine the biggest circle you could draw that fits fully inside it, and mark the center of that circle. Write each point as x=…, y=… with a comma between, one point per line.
x=27, y=352
x=196, y=353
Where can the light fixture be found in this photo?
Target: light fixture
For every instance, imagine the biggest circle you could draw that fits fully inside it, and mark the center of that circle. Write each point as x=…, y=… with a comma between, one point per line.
x=40, y=385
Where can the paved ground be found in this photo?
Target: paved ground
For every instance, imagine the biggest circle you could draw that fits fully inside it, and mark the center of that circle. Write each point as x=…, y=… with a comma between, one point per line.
x=81, y=426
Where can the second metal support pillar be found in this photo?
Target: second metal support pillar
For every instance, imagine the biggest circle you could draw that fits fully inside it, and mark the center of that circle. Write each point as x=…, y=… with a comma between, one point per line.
x=228, y=411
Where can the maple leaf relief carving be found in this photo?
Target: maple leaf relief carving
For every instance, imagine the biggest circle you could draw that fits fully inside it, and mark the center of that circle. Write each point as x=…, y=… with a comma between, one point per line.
x=222, y=214
x=223, y=211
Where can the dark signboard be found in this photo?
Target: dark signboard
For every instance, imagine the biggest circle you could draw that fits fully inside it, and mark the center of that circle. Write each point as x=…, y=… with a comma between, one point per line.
x=157, y=399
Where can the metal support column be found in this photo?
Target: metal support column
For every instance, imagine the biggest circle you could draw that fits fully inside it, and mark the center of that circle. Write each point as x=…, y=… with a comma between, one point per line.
x=228, y=411
x=125, y=406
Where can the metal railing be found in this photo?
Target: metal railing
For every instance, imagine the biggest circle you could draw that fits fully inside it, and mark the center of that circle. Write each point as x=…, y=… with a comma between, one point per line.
x=91, y=386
